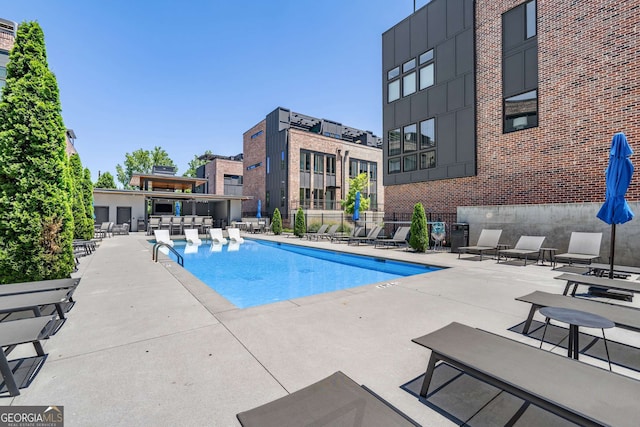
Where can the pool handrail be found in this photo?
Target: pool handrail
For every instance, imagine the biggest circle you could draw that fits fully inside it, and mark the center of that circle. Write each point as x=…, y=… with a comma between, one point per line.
x=156, y=248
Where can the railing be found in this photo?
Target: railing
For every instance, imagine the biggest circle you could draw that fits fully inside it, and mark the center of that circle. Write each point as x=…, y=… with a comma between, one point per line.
x=157, y=247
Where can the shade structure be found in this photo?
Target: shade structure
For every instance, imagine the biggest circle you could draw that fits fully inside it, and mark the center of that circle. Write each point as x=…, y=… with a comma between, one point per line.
x=615, y=209
x=258, y=213
x=356, y=207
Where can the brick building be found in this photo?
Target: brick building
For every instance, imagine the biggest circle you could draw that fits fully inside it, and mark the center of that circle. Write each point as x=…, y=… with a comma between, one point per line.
x=223, y=174
x=293, y=160
x=519, y=101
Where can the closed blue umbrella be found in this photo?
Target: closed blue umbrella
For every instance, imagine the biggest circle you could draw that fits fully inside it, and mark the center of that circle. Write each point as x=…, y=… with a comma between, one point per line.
x=356, y=207
x=177, y=208
x=615, y=209
x=259, y=214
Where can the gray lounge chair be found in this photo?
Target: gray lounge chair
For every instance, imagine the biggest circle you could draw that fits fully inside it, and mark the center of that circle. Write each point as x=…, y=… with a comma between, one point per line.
x=583, y=248
x=399, y=239
x=336, y=400
x=527, y=246
x=584, y=394
x=338, y=237
x=487, y=242
x=17, y=332
x=15, y=305
x=371, y=236
x=314, y=234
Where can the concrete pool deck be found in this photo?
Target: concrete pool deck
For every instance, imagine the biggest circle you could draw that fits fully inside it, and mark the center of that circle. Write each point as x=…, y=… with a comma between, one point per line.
x=148, y=344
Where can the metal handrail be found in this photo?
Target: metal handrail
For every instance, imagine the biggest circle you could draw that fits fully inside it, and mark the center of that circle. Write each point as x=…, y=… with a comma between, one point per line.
x=157, y=247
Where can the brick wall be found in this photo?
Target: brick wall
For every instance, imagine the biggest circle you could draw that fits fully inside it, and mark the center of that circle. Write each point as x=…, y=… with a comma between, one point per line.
x=255, y=151
x=215, y=171
x=6, y=41
x=589, y=88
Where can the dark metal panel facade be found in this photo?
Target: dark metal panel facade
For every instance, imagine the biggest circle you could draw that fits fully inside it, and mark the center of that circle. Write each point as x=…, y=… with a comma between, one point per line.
x=277, y=130
x=447, y=27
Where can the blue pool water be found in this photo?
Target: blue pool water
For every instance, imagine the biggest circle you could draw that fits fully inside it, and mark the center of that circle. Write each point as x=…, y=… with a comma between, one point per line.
x=258, y=272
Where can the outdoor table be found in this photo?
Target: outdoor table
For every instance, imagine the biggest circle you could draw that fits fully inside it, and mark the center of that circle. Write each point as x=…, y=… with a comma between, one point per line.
x=575, y=319
x=550, y=253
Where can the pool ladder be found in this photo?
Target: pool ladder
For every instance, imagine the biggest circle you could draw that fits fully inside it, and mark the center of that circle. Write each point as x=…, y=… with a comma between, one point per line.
x=157, y=247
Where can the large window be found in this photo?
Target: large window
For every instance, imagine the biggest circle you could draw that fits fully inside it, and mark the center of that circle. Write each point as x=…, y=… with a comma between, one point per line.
x=428, y=160
x=427, y=134
x=521, y=111
x=393, y=93
x=305, y=161
x=410, y=163
x=318, y=163
x=394, y=165
x=394, y=142
x=410, y=138
x=331, y=165
x=427, y=77
x=417, y=73
x=530, y=16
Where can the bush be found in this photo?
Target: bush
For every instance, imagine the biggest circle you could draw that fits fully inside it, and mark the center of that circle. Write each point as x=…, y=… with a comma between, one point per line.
x=419, y=239
x=276, y=222
x=299, y=228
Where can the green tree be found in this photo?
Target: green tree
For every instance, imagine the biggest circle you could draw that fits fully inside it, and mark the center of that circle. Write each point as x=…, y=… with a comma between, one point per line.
x=82, y=229
x=359, y=183
x=36, y=223
x=195, y=164
x=105, y=181
x=87, y=190
x=141, y=161
x=276, y=222
x=299, y=228
x=419, y=239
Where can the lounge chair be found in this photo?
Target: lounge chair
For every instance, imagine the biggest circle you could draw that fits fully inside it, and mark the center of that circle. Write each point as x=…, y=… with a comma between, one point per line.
x=583, y=248
x=331, y=231
x=336, y=400
x=371, y=236
x=38, y=303
x=22, y=331
x=198, y=223
x=233, y=246
x=216, y=236
x=191, y=234
x=399, y=239
x=234, y=235
x=527, y=246
x=314, y=234
x=338, y=237
x=154, y=224
x=487, y=242
x=162, y=236
x=176, y=225
x=216, y=246
x=103, y=231
x=438, y=234
x=577, y=391
x=121, y=229
x=191, y=248
x=69, y=285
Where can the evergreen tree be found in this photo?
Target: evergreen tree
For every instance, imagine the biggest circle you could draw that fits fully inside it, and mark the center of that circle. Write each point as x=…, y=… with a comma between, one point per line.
x=299, y=228
x=36, y=223
x=78, y=204
x=276, y=222
x=87, y=192
x=105, y=181
x=419, y=239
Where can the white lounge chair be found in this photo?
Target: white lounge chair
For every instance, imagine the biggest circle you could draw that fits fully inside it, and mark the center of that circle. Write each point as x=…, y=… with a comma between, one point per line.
x=216, y=236
x=234, y=235
x=191, y=248
x=191, y=234
x=216, y=246
x=233, y=246
x=162, y=236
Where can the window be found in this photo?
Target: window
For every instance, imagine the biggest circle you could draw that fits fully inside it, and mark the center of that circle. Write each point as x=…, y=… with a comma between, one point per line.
x=530, y=13
x=393, y=92
x=318, y=163
x=353, y=168
x=268, y=165
x=521, y=111
x=428, y=160
x=394, y=165
x=409, y=65
x=267, y=199
x=373, y=171
x=305, y=161
x=282, y=163
x=392, y=74
x=282, y=198
x=257, y=134
x=253, y=166
x=426, y=57
x=363, y=168
x=408, y=84
x=331, y=165
x=410, y=138
x=427, y=134
x=410, y=163
x=394, y=142
x=426, y=76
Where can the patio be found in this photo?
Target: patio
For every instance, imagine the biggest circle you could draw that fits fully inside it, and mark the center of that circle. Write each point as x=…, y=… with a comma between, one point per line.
x=148, y=344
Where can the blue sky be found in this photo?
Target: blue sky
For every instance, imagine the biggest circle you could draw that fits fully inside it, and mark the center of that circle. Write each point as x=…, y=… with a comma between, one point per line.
x=194, y=75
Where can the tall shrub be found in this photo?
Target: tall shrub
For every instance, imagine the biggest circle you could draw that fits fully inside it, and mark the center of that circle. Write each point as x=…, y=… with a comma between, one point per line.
x=419, y=239
x=78, y=206
x=276, y=222
x=299, y=228
x=87, y=189
x=36, y=224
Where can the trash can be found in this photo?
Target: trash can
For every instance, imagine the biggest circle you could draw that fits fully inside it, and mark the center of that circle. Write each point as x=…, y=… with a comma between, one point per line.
x=459, y=236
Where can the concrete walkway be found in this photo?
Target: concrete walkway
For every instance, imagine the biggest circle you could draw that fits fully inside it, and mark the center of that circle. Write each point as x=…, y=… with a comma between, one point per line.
x=148, y=344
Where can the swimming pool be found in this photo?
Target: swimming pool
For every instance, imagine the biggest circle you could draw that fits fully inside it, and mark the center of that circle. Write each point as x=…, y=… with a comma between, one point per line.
x=260, y=272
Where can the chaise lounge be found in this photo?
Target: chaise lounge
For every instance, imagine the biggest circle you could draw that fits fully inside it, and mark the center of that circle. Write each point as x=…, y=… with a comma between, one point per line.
x=527, y=246
x=584, y=394
x=487, y=242
x=399, y=239
x=583, y=248
x=336, y=400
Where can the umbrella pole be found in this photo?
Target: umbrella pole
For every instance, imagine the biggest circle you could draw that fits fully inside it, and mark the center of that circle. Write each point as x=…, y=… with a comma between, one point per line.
x=613, y=249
